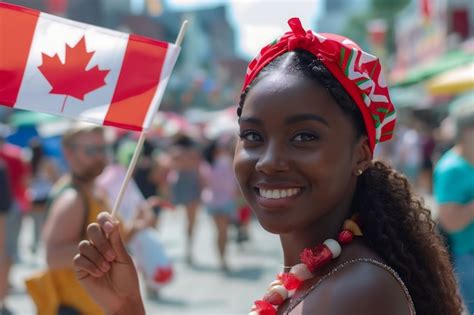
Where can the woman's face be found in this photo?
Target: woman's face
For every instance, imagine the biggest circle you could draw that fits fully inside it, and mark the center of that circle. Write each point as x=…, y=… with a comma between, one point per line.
x=296, y=157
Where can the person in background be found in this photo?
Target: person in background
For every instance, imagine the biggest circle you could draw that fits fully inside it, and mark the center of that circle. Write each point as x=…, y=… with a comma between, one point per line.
x=134, y=210
x=75, y=201
x=408, y=158
x=454, y=192
x=44, y=174
x=144, y=172
x=428, y=145
x=5, y=203
x=17, y=169
x=186, y=184
x=150, y=176
x=221, y=189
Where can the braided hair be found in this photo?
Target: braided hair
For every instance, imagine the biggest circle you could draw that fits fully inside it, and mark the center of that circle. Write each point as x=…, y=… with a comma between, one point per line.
x=396, y=223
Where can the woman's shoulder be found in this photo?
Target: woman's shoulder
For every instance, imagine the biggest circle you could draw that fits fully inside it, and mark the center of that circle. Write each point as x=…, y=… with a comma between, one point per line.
x=360, y=286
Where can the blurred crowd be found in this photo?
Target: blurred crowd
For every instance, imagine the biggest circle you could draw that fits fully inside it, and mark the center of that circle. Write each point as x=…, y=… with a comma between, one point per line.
x=180, y=171
x=189, y=172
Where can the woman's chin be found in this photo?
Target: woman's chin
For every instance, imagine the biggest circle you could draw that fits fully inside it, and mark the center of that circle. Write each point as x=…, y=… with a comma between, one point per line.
x=276, y=227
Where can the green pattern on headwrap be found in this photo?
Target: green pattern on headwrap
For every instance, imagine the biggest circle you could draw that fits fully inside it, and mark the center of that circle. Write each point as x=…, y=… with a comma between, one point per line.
x=346, y=68
x=341, y=59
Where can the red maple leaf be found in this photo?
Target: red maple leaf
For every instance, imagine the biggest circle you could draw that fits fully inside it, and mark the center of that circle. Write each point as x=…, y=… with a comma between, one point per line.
x=72, y=78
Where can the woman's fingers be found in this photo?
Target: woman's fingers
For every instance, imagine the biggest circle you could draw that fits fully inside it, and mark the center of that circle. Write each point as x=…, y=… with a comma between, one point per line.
x=84, y=268
x=110, y=226
x=89, y=251
x=97, y=237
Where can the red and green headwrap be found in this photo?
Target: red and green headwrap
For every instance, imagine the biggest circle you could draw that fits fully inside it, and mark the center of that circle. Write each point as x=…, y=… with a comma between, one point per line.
x=359, y=72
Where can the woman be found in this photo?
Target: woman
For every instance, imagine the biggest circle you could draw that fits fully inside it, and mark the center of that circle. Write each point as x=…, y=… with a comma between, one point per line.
x=187, y=184
x=221, y=189
x=354, y=237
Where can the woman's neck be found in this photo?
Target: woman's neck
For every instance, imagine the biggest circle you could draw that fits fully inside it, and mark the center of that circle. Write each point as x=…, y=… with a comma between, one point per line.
x=315, y=233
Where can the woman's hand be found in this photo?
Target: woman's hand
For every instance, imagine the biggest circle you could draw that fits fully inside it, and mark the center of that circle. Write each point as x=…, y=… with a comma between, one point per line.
x=106, y=270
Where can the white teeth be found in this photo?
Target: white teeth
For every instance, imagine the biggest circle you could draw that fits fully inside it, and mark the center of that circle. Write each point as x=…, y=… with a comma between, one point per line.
x=278, y=193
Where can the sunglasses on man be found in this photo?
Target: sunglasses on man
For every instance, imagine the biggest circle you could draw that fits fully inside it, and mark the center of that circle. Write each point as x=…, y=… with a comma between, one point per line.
x=93, y=150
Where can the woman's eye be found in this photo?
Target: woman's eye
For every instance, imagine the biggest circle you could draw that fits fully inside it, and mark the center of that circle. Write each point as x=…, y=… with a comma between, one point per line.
x=250, y=136
x=304, y=136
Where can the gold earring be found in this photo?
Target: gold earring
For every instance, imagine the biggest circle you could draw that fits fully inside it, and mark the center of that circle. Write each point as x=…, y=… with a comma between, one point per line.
x=358, y=172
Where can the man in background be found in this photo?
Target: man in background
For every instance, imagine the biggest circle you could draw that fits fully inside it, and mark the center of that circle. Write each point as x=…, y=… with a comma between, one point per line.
x=15, y=177
x=454, y=192
x=74, y=203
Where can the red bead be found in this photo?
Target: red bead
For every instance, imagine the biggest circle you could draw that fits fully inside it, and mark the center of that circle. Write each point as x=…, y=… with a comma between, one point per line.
x=316, y=257
x=273, y=298
x=264, y=308
x=290, y=281
x=345, y=237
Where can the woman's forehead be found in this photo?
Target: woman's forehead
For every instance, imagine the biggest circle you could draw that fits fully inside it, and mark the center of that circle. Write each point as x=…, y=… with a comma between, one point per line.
x=288, y=93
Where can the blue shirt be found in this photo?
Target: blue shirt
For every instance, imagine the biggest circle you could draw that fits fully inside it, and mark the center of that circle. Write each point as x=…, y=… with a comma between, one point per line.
x=454, y=183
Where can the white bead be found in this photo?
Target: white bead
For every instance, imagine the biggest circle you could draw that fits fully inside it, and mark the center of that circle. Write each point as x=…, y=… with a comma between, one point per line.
x=291, y=293
x=274, y=283
x=253, y=313
x=301, y=272
x=334, y=247
x=280, y=290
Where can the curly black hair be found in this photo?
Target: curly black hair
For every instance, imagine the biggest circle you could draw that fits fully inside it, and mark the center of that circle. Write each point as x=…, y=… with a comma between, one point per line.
x=397, y=225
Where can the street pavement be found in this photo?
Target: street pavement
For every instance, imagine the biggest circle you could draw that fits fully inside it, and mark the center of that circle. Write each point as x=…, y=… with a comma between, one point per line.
x=196, y=290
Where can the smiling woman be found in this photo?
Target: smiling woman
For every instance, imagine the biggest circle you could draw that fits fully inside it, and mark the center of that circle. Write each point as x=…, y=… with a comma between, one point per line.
x=312, y=110
x=355, y=238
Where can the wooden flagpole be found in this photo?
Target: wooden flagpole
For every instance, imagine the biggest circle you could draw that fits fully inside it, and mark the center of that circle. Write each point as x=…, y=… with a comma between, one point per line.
x=141, y=140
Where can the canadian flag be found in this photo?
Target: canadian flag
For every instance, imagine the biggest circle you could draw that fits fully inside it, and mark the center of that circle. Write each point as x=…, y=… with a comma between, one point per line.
x=62, y=67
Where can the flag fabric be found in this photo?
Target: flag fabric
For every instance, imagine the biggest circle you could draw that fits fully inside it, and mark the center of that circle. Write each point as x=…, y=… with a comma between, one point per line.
x=62, y=67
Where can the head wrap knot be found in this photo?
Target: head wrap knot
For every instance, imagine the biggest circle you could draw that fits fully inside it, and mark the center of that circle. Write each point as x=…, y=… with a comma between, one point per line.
x=359, y=72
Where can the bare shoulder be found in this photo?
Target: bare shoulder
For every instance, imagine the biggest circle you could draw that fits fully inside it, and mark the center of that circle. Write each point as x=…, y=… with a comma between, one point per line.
x=359, y=288
x=67, y=202
x=65, y=217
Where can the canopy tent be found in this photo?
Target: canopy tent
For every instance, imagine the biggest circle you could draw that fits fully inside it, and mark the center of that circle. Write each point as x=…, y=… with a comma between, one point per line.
x=436, y=66
x=28, y=118
x=462, y=100
x=413, y=96
x=452, y=82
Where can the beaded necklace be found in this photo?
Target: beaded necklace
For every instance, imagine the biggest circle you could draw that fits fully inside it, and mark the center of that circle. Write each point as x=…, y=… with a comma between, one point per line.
x=287, y=283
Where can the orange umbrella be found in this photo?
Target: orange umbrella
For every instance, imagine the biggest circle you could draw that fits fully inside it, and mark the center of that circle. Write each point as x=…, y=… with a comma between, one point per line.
x=454, y=81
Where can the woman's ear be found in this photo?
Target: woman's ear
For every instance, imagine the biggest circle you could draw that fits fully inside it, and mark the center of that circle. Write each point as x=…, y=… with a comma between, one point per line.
x=362, y=156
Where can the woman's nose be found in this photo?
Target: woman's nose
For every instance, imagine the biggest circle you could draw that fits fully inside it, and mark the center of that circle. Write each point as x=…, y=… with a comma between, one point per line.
x=273, y=159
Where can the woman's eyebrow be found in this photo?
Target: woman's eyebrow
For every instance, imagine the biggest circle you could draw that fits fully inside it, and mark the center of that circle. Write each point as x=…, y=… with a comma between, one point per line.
x=307, y=116
x=250, y=120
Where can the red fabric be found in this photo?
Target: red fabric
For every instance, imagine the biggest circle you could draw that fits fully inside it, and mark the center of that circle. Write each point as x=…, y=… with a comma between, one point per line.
x=426, y=9
x=163, y=275
x=18, y=172
x=244, y=214
x=358, y=71
x=13, y=58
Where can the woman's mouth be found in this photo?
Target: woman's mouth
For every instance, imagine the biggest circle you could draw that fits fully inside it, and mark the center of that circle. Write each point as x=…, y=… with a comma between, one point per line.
x=277, y=198
x=278, y=193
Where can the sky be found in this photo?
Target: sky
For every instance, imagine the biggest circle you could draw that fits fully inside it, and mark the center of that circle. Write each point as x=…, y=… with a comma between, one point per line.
x=258, y=22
